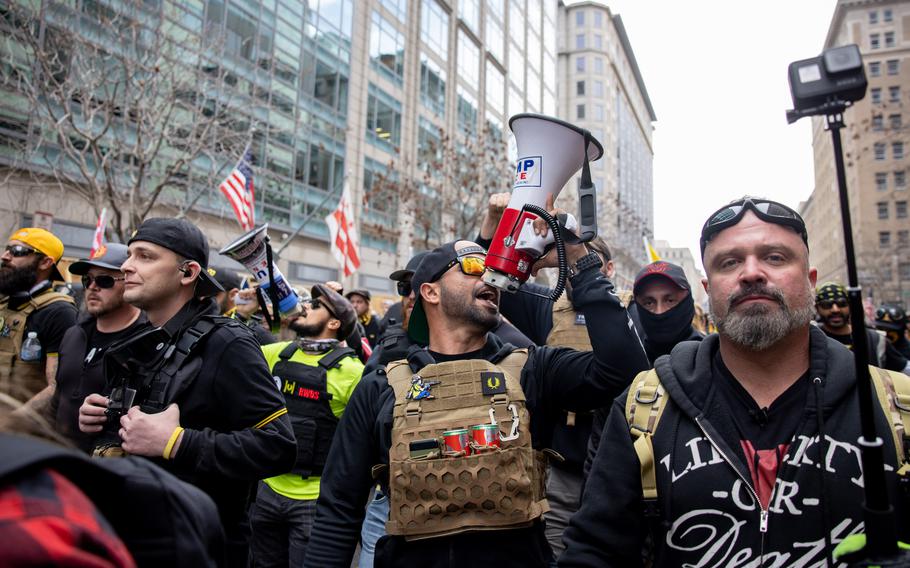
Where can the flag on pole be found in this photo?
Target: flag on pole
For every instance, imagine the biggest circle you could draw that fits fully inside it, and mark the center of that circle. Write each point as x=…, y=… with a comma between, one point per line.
x=98, y=239
x=238, y=188
x=343, y=234
x=649, y=251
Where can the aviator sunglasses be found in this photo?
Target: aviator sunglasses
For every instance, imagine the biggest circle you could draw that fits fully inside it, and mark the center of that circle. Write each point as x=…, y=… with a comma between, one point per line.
x=103, y=281
x=766, y=210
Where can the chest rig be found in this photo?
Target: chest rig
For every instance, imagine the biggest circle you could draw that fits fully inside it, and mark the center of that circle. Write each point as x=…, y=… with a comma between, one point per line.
x=438, y=496
x=305, y=390
x=569, y=329
x=18, y=378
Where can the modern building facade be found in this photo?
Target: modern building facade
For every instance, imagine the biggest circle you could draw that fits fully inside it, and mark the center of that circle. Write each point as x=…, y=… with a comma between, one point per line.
x=682, y=256
x=601, y=88
x=336, y=92
x=875, y=144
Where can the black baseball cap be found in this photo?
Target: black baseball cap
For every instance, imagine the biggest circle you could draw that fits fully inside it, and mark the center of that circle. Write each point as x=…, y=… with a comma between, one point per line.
x=408, y=270
x=661, y=269
x=340, y=308
x=110, y=256
x=185, y=239
x=431, y=268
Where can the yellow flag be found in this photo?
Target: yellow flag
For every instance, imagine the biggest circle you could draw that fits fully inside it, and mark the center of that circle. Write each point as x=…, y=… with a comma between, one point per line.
x=650, y=252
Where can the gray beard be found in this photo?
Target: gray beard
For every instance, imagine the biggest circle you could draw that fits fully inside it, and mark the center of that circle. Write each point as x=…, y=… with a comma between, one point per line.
x=760, y=327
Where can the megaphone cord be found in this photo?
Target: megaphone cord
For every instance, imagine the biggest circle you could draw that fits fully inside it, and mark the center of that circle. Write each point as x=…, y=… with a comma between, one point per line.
x=563, y=273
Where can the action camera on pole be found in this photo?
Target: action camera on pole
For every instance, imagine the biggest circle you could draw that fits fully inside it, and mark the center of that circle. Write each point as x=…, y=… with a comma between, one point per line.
x=827, y=83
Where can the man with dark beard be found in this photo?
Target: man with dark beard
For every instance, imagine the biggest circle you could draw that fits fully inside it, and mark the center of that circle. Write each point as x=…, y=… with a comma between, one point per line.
x=28, y=267
x=730, y=474
x=317, y=374
x=834, y=319
x=455, y=500
x=108, y=319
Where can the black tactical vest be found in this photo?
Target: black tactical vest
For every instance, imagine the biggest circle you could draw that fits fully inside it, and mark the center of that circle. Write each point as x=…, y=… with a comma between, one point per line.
x=305, y=390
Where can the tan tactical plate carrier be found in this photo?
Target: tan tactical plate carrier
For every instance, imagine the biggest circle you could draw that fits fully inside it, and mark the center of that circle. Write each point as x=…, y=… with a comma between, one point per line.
x=568, y=330
x=484, y=491
x=22, y=379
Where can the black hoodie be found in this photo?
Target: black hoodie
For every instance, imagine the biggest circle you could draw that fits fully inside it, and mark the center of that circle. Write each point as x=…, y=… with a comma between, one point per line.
x=553, y=378
x=708, y=511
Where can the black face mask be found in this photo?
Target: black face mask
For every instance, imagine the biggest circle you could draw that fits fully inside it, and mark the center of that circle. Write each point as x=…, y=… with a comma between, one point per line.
x=671, y=326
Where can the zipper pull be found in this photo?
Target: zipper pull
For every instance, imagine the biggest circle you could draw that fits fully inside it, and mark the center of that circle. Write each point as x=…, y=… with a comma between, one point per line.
x=763, y=523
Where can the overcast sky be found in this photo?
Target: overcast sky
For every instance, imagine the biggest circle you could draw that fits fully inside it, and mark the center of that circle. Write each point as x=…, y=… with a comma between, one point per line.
x=716, y=72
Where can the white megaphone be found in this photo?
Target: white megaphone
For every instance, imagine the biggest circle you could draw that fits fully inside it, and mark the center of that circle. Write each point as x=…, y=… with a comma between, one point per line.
x=550, y=151
x=251, y=251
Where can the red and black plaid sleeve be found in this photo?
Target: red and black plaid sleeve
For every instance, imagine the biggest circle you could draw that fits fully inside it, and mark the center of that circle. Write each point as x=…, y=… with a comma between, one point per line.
x=45, y=520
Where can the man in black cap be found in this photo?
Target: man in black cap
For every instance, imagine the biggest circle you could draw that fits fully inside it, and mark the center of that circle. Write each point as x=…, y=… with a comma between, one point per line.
x=108, y=319
x=194, y=392
x=892, y=319
x=317, y=374
x=372, y=328
x=664, y=308
x=466, y=376
x=243, y=310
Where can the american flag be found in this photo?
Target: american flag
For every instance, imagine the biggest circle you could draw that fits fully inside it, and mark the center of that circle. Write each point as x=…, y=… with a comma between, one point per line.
x=98, y=239
x=343, y=234
x=238, y=188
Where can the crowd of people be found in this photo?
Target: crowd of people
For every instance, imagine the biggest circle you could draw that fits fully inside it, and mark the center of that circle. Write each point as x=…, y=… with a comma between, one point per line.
x=161, y=422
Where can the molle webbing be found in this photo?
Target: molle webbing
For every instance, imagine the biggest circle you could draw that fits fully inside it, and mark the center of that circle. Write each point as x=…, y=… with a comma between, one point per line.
x=486, y=491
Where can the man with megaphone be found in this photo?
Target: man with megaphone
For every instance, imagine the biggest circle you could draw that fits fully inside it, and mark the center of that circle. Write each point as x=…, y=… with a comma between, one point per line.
x=448, y=432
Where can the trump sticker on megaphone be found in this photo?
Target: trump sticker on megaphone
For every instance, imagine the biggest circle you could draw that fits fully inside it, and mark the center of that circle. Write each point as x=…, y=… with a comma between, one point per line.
x=527, y=172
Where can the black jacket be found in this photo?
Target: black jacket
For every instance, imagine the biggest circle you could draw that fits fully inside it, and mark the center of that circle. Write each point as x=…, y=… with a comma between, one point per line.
x=553, y=378
x=708, y=513
x=229, y=441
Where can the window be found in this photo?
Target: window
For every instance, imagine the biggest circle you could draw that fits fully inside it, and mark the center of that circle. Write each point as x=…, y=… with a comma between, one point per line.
x=894, y=121
x=399, y=8
x=894, y=94
x=580, y=112
x=900, y=180
x=878, y=122
x=875, y=69
x=900, y=209
x=434, y=27
x=598, y=112
x=579, y=17
x=881, y=181
x=884, y=239
x=432, y=85
x=894, y=66
x=496, y=88
x=598, y=88
x=882, y=208
x=876, y=94
x=598, y=65
x=495, y=39
x=383, y=119
x=598, y=18
x=873, y=17
x=387, y=48
x=897, y=149
x=903, y=237
x=469, y=10
x=879, y=151
x=496, y=8
x=874, y=41
x=598, y=41
x=580, y=88
x=468, y=60
x=467, y=112
x=887, y=15
x=580, y=63
x=580, y=41
x=889, y=39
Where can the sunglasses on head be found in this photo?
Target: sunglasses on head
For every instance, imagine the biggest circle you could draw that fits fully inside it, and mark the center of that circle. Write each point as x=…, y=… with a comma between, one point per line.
x=766, y=210
x=103, y=281
x=828, y=304
x=20, y=250
x=470, y=265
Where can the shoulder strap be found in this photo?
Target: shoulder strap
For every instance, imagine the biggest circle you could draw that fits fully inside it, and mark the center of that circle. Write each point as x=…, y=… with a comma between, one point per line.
x=331, y=359
x=398, y=374
x=893, y=390
x=645, y=402
x=49, y=298
x=514, y=362
x=288, y=351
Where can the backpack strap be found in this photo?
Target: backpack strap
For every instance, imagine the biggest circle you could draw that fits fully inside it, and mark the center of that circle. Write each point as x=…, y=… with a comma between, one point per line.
x=645, y=402
x=288, y=351
x=333, y=358
x=893, y=391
